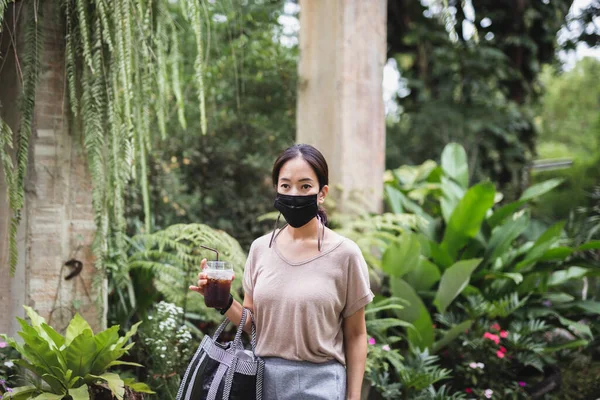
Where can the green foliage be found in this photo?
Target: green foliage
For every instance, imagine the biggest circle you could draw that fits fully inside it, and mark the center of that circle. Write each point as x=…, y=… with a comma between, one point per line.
x=166, y=346
x=15, y=175
x=66, y=366
x=115, y=58
x=169, y=260
x=473, y=86
x=220, y=178
x=483, y=252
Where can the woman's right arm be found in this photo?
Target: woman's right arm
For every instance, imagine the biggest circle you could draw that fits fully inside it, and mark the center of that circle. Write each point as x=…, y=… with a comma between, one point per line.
x=234, y=314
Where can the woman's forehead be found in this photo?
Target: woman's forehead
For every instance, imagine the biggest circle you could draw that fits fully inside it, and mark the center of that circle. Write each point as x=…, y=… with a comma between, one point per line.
x=297, y=169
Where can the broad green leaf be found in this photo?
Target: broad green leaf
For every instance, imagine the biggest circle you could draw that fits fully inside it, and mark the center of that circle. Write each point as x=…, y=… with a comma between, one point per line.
x=591, y=245
x=49, y=396
x=453, y=281
x=576, y=327
x=383, y=324
x=574, y=344
x=503, y=237
x=104, y=342
x=452, y=334
x=559, y=297
x=401, y=256
x=422, y=335
x=562, y=276
x=541, y=245
x=37, y=323
x=415, y=312
x=467, y=217
x=557, y=253
x=76, y=327
x=39, y=352
x=133, y=364
x=80, y=353
x=516, y=277
x=22, y=392
x=529, y=194
x=539, y=189
x=439, y=255
x=424, y=276
x=452, y=193
x=138, y=387
x=454, y=163
x=81, y=393
x=403, y=290
x=114, y=381
x=394, y=199
x=589, y=306
x=56, y=337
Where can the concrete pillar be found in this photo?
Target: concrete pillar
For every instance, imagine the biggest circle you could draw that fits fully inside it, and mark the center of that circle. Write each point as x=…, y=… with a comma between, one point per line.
x=340, y=98
x=57, y=223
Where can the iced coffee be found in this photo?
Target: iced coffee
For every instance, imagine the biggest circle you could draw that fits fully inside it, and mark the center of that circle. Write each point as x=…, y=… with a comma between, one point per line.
x=218, y=287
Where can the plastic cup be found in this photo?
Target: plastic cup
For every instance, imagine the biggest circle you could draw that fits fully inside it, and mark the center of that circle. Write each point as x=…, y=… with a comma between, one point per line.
x=219, y=275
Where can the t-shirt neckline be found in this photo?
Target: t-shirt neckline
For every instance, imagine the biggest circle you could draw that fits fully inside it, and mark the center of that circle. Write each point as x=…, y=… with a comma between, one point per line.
x=321, y=254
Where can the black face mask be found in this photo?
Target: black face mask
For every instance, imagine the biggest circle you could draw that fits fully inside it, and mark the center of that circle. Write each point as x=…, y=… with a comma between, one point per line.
x=297, y=210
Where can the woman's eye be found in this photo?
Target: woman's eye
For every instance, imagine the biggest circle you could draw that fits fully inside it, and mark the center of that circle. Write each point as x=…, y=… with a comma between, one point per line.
x=285, y=185
x=306, y=187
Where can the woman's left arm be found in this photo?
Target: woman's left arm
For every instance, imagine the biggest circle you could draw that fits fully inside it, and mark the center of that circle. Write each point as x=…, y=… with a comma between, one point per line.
x=355, y=346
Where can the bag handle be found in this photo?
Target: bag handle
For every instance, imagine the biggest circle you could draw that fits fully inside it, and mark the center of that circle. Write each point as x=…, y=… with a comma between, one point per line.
x=238, y=335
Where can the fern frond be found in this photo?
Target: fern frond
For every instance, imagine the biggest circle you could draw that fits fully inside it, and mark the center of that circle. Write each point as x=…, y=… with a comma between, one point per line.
x=196, y=20
x=84, y=27
x=175, y=60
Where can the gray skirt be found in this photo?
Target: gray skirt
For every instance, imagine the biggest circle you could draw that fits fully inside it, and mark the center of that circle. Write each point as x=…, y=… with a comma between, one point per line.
x=303, y=380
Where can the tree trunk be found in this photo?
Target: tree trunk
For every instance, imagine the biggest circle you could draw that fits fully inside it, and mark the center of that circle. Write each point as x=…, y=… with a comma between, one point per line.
x=340, y=97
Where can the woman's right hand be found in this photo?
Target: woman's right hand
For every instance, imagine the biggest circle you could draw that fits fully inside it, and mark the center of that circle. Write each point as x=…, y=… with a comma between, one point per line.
x=202, y=279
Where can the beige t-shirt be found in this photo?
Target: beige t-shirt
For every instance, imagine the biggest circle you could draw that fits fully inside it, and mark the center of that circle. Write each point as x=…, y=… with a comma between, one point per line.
x=299, y=307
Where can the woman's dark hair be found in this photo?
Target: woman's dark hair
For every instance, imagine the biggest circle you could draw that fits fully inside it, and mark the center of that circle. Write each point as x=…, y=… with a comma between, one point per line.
x=314, y=158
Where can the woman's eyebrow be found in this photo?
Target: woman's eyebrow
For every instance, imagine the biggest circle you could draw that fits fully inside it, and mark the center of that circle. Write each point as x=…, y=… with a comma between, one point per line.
x=301, y=180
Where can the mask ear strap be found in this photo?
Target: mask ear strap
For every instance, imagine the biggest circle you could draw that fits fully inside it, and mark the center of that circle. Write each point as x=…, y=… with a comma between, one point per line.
x=320, y=236
x=274, y=229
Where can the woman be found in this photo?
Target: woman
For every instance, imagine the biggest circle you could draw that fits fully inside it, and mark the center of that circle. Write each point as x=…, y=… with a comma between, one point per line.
x=307, y=287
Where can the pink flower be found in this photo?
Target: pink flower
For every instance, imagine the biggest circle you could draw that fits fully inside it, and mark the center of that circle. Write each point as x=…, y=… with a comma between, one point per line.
x=499, y=354
x=503, y=334
x=503, y=349
x=372, y=341
x=495, y=327
x=469, y=390
x=492, y=337
x=488, y=393
x=522, y=384
x=385, y=347
x=3, y=345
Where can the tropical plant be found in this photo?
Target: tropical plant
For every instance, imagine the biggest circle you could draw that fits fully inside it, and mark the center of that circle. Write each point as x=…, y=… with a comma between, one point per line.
x=470, y=246
x=74, y=365
x=509, y=361
x=169, y=260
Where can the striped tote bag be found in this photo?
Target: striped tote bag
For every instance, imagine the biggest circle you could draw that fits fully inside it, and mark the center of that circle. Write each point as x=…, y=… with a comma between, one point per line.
x=224, y=371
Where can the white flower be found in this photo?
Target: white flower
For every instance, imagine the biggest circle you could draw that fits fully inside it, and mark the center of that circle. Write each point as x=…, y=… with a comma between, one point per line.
x=488, y=393
x=162, y=356
x=473, y=365
x=481, y=365
x=9, y=364
x=149, y=316
x=163, y=348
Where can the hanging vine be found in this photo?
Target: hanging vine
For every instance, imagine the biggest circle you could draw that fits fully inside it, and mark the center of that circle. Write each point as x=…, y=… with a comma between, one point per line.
x=122, y=69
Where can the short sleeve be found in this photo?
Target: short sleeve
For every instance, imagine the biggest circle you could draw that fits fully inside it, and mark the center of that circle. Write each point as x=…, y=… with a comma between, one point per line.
x=358, y=290
x=248, y=282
